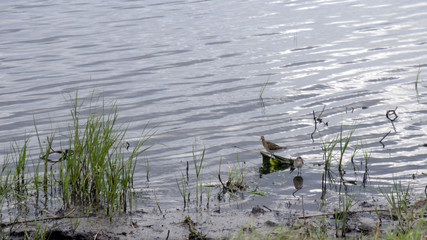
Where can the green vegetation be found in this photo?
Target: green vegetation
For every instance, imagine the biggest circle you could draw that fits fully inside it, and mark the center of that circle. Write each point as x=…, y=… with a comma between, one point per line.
x=95, y=169
x=183, y=189
x=198, y=162
x=410, y=219
x=263, y=87
x=235, y=182
x=235, y=178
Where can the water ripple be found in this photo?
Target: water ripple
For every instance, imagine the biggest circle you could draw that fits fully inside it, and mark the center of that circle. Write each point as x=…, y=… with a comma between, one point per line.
x=196, y=68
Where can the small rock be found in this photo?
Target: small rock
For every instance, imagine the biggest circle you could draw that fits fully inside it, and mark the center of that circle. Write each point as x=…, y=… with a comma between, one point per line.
x=366, y=204
x=365, y=224
x=271, y=224
x=257, y=210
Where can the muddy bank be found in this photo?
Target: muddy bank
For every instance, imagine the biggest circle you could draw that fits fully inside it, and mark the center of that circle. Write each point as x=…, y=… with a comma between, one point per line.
x=213, y=224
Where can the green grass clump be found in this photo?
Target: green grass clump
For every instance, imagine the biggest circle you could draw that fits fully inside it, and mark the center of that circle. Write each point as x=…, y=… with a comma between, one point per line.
x=410, y=223
x=95, y=169
x=99, y=169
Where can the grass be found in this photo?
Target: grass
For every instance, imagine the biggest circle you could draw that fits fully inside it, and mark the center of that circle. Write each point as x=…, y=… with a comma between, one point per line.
x=263, y=87
x=410, y=223
x=184, y=182
x=95, y=170
x=341, y=214
x=235, y=181
x=336, y=149
x=416, y=81
x=98, y=168
x=198, y=162
x=235, y=178
x=183, y=189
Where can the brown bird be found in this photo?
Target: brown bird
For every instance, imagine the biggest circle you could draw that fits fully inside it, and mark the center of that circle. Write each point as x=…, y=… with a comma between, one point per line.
x=270, y=146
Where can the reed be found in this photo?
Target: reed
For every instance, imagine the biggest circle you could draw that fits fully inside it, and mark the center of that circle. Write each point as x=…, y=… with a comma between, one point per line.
x=343, y=143
x=198, y=162
x=5, y=185
x=263, y=87
x=19, y=156
x=208, y=195
x=147, y=169
x=398, y=198
x=183, y=189
x=341, y=214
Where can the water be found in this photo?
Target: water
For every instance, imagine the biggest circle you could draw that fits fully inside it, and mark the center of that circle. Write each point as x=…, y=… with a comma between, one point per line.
x=196, y=69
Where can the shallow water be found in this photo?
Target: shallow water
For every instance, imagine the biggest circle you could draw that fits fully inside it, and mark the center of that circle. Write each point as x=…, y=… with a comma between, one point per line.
x=196, y=69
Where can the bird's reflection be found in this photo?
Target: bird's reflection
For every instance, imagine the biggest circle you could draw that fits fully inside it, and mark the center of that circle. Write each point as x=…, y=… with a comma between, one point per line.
x=298, y=182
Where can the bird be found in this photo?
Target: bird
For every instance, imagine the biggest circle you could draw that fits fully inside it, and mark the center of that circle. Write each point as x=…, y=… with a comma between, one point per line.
x=270, y=146
x=298, y=163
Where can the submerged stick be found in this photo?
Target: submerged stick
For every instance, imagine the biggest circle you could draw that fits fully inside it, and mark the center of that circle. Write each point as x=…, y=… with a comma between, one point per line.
x=317, y=119
x=315, y=126
x=381, y=141
x=392, y=115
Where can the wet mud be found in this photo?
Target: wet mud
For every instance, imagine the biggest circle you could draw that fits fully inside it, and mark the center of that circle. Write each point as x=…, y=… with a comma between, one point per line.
x=211, y=224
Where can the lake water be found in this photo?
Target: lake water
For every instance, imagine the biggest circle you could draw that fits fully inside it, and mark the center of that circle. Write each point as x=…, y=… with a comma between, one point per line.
x=196, y=69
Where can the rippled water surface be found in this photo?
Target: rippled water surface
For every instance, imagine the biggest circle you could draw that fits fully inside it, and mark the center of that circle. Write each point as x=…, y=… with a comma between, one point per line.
x=196, y=69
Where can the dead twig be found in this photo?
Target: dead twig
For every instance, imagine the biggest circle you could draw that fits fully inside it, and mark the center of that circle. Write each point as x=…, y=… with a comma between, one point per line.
x=315, y=126
x=64, y=155
x=317, y=119
x=41, y=219
x=96, y=235
x=267, y=208
x=167, y=236
x=349, y=212
x=303, y=210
